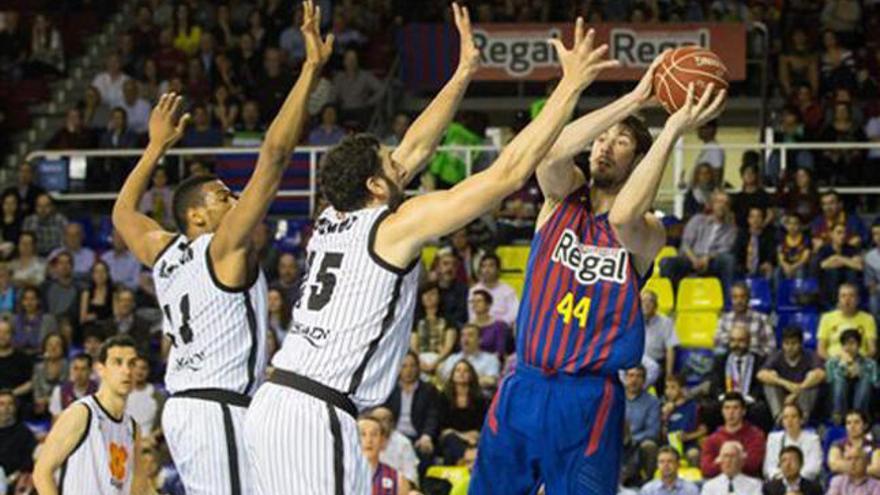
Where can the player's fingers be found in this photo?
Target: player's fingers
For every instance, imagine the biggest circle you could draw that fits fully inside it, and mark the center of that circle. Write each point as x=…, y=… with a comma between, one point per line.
x=328, y=42
x=706, y=96
x=578, y=31
x=316, y=25
x=598, y=53
x=608, y=64
x=161, y=103
x=456, y=13
x=718, y=103
x=689, y=101
x=557, y=44
x=588, y=40
x=181, y=125
x=175, y=105
x=466, y=17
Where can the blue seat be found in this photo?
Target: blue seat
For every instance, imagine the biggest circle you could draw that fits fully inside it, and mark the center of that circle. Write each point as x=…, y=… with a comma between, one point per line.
x=789, y=294
x=762, y=297
x=832, y=434
x=808, y=320
x=104, y=237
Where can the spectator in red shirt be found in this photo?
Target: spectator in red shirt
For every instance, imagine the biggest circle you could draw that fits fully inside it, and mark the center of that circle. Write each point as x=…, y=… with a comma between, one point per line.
x=735, y=428
x=168, y=57
x=833, y=214
x=74, y=135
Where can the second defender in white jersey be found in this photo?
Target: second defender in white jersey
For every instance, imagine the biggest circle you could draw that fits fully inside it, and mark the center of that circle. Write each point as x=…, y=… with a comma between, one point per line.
x=210, y=287
x=352, y=323
x=92, y=448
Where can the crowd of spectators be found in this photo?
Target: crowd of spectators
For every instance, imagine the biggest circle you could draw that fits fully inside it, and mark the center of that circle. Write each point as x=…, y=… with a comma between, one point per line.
x=771, y=413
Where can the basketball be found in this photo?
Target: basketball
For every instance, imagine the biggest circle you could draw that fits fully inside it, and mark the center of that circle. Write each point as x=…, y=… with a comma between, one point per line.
x=685, y=65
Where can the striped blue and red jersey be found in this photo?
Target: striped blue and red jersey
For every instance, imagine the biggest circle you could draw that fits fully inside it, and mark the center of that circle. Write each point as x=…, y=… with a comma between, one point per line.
x=580, y=311
x=384, y=480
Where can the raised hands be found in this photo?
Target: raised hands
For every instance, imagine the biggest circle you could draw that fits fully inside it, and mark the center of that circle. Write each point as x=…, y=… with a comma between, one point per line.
x=469, y=55
x=644, y=90
x=582, y=63
x=317, y=50
x=696, y=113
x=165, y=127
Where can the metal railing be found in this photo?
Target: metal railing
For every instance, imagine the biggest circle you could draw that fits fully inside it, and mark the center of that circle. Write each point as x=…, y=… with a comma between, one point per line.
x=469, y=155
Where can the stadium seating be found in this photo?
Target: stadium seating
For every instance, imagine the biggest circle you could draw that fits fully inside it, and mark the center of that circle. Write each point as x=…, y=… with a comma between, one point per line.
x=665, y=296
x=514, y=259
x=700, y=294
x=792, y=294
x=459, y=476
x=761, y=294
x=808, y=320
x=429, y=252
x=696, y=329
x=665, y=252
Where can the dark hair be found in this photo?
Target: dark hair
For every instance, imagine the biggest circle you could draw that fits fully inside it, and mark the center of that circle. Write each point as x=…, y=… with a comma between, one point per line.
x=25, y=290
x=751, y=160
x=188, y=194
x=851, y=334
x=641, y=369
x=8, y=391
x=345, y=169
x=109, y=276
x=862, y=415
x=677, y=378
x=666, y=449
x=486, y=295
x=734, y=397
x=286, y=308
x=791, y=449
x=49, y=336
x=83, y=357
x=640, y=132
x=473, y=392
x=491, y=256
x=411, y=353
x=115, y=341
x=741, y=285
x=793, y=332
x=830, y=192
x=796, y=408
x=62, y=254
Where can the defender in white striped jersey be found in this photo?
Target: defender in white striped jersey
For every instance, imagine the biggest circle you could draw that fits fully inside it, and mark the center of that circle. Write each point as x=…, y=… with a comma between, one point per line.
x=210, y=287
x=92, y=448
x=352, y=323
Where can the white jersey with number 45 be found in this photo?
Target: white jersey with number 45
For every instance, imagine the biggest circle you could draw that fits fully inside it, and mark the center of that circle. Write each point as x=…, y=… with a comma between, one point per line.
x=352, y=323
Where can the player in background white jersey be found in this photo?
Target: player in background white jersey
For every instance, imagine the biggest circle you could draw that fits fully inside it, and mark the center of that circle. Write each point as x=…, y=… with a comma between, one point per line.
x=352, y=323
x=92, y=448
x=208, y=281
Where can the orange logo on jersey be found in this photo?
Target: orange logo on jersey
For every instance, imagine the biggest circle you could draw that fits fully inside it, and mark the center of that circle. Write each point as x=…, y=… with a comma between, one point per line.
x=118, y=457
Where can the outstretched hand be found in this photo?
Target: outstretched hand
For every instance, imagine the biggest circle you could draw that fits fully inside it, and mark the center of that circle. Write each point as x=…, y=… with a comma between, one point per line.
x=165, y=127
x=582, y=64
x=468, y=54
x=696, y=113
x=317, y=50
x=644, y=90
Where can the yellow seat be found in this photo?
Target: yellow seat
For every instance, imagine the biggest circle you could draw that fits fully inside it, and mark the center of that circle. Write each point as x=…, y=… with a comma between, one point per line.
x=428, y=254
x=692, y=474
x=663, y=288
x=516, y=281
x=696, y=329
x=457, y=475
x=700, y=294
x=665, y=252
x=514, y=259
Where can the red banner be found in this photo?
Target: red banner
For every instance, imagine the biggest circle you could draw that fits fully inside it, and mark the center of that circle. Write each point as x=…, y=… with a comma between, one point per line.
x=512, y=52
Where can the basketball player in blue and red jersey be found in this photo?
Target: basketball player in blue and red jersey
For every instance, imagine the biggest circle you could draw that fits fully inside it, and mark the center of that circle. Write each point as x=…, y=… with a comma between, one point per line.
x=557, y=420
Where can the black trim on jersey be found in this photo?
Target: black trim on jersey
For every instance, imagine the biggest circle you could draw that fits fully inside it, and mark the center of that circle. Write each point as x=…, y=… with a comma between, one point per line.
x=82, y=439
x=220, y=395
x=315, y=389
x=252, y=330
x=165, y=249
x=378, y=259
x=386, y=324
x=338, y=454
x=231, y=450
x=225, y=288
x=101, y=406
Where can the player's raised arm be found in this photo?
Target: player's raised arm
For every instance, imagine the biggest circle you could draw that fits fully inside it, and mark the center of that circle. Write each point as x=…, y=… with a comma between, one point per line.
x=639, y=231
x=143, y=235
x=64, y=437
x=424, y=134
x=234, y=233
x=557, y=174
x=431, y=215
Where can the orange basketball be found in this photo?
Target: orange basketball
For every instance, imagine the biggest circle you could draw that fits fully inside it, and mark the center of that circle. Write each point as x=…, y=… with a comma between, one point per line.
x=685, y=65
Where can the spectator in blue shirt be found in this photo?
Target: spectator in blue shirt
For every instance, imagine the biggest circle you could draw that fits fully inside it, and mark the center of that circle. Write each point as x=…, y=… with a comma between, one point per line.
x=201, y=134
x=669, y=483
x=329, y=132
x=643, y=421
